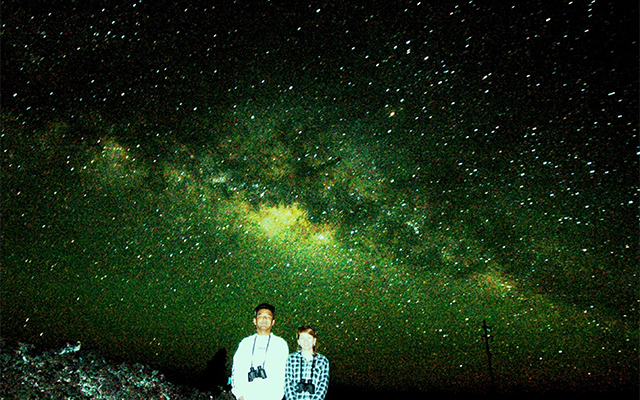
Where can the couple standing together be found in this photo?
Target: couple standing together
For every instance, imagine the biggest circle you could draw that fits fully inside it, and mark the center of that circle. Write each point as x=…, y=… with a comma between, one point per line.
x=263, y=369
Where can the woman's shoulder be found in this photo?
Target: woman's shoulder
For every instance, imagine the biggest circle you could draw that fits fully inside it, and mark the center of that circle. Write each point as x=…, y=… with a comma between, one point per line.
x=295, y=354
x=321, y=358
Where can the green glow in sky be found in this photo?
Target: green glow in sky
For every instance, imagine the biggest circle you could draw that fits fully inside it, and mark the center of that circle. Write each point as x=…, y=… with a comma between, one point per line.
x=393, y=174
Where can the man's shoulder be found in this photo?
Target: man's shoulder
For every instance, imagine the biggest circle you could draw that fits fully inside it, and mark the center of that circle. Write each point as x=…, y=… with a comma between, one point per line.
x=248, y=339
x=278, y=339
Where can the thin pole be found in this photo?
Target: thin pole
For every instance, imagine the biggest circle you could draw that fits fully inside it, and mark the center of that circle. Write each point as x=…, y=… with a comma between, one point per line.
x=487, y=337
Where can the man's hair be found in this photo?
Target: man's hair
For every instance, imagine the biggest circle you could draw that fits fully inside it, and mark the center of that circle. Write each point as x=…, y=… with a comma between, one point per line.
x=266, y=306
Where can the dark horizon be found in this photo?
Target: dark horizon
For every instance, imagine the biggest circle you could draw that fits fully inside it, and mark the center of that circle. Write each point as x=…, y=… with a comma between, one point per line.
x=392, y=173
x=208, y=384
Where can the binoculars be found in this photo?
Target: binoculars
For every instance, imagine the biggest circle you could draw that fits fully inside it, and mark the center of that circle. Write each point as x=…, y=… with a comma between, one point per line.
x=259, y=373
x=305, y=386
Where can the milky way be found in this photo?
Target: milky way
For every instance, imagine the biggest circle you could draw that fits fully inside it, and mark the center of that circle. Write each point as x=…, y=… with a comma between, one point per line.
x=392, y=174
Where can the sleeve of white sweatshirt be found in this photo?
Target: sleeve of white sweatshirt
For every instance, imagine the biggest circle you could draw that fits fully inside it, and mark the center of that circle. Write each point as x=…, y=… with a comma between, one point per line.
x=240, y=368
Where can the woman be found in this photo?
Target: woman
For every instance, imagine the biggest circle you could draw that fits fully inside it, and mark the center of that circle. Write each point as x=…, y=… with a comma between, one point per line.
x=307, y=372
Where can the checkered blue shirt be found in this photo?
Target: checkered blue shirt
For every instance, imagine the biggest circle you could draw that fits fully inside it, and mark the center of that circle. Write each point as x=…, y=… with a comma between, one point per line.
x=292, y=376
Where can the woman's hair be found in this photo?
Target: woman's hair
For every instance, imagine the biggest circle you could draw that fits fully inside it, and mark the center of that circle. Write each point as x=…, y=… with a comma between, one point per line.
x=308, y=329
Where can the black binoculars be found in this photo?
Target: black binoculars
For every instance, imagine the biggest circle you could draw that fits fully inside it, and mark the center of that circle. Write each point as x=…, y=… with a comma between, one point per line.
x=305, y=386
x=257, y=373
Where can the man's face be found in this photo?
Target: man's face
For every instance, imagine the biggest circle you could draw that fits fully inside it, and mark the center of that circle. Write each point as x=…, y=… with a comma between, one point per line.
x=264, y=321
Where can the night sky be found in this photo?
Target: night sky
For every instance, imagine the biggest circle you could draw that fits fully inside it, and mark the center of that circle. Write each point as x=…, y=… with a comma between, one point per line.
x=392, y=172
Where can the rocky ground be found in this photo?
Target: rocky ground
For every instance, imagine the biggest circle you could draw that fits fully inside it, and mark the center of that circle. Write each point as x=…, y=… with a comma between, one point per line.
x=75, y=373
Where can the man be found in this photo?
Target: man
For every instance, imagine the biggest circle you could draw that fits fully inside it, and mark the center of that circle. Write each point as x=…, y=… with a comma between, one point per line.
x=259, y=362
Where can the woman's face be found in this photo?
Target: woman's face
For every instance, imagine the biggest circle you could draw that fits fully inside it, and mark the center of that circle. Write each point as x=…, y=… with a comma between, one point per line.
x=306, y=341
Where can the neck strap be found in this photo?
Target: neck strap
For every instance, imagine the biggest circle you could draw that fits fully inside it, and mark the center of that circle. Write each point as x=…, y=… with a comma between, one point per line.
x=265, y=350
x=313, y=364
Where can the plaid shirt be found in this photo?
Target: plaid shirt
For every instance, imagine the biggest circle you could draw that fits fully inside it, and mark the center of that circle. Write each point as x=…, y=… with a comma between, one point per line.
x=292, y=376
